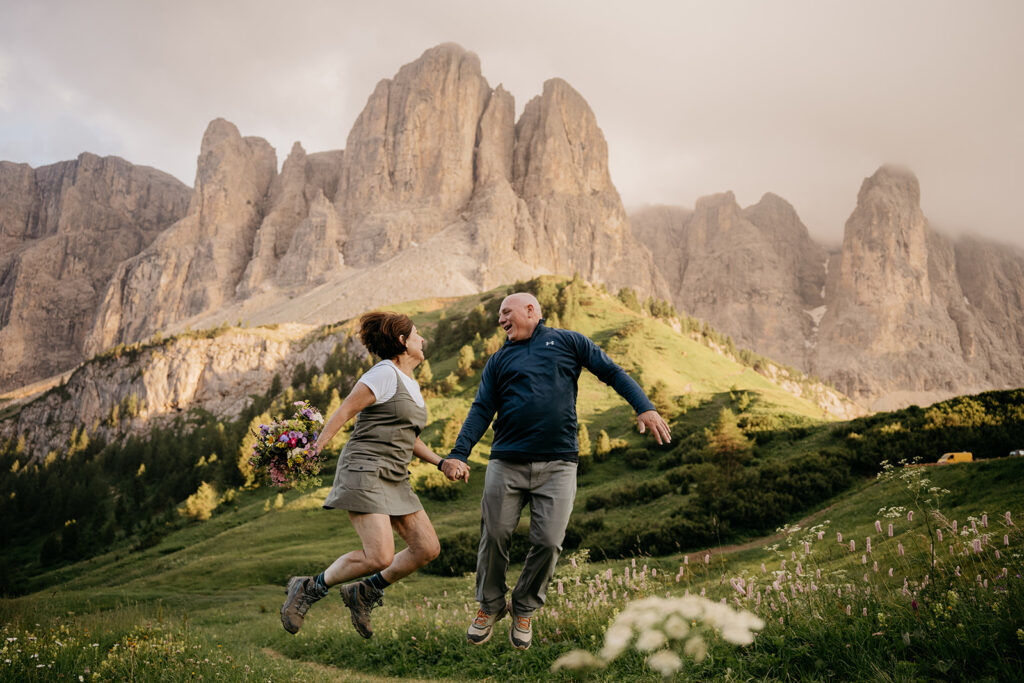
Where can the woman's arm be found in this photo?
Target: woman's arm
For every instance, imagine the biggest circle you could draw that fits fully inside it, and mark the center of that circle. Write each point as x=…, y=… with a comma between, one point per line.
x=424, y=453
x=359, y=398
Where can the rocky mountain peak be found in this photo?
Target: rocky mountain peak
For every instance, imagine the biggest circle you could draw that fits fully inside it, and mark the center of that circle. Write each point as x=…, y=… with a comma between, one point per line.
x=885, y=245
x=559, y=147
x=411, y=151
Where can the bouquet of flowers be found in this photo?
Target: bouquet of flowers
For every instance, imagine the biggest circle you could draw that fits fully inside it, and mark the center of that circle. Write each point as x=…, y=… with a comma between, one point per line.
x=285, y=449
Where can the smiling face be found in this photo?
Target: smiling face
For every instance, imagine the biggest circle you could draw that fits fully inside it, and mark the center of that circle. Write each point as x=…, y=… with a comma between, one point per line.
x=414, y=345
x=519, y=315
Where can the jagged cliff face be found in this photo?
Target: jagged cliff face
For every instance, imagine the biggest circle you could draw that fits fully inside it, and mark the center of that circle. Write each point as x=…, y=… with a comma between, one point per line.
x=439, y=192
x=64, y=229
x=197, y=263
x=753, y=273
x=900, y=315
x=899, y=305
x=165, y=380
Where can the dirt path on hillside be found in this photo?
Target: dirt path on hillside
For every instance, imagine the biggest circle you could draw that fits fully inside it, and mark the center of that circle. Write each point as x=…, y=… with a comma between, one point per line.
x=764, y=540
x=347, y=675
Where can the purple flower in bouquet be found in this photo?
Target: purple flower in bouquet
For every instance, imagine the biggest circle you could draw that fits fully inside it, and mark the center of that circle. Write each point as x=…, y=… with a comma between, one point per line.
x=285, y=450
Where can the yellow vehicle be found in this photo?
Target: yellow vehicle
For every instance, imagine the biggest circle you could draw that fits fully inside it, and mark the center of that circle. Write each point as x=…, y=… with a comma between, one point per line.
x=950, y=458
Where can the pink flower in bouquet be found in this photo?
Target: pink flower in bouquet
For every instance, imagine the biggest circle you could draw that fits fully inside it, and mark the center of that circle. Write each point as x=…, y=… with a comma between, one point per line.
x=285, y=450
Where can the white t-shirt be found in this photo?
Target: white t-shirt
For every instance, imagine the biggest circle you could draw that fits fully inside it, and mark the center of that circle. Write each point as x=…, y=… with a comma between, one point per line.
x=382, y=379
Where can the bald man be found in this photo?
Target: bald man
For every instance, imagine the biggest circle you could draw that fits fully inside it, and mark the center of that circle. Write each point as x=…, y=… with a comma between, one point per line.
x=530, y=384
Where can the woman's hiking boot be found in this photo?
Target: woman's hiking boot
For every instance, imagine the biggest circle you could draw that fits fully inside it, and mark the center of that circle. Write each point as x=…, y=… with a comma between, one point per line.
x=360, y=598
x=302, y=592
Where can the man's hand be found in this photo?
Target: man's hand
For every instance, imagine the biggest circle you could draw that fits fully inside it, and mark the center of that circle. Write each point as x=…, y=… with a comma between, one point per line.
x=455, y=469
x=651, y=420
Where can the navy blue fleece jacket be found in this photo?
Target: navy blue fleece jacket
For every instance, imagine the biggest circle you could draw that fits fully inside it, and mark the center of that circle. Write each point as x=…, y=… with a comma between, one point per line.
x=531, y=385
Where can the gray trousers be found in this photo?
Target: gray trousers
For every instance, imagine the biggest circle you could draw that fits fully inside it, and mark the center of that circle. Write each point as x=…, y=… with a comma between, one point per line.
x=549, y=488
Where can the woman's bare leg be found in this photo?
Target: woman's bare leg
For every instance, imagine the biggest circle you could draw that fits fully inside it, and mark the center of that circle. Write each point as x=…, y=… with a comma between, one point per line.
x=421, y=539
x=377, y=553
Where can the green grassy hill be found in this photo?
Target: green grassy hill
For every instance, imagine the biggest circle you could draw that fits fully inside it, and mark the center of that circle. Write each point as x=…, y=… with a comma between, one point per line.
x=177, y=599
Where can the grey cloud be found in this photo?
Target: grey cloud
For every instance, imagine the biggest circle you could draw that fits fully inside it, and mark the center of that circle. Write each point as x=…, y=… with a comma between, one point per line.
x=803, y=98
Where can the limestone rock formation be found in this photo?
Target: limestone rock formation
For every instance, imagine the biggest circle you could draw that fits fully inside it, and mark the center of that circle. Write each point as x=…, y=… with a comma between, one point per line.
x=907, y=315
x=195, y=265
x=297, y=244
x=161, y=381
x=887, y=324
x=408, y=163
x=754, y=274
x=439, y=192
x=64, y=229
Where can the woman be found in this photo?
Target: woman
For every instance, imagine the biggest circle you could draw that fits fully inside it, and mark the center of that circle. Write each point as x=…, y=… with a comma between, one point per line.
x=372, y=479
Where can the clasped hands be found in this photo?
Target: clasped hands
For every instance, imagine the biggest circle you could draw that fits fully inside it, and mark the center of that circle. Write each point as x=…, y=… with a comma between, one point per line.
x=455, y=469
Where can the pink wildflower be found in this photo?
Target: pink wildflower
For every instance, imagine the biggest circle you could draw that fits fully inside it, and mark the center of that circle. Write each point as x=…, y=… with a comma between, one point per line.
x=899, y=549
x=890, y=530
x=869, y=544
x=849, y=610
x=853, y=545
x=707, y=559
x=1006, y=537
x=686, y=559
x=910, y=515
x=984, y=520
x=938, y=533
x=839, y=537
x=954, y=526
x=1009, y=522
x=878, y=526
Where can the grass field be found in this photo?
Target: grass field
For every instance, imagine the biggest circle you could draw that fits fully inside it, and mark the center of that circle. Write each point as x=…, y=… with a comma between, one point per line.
x=204, y=602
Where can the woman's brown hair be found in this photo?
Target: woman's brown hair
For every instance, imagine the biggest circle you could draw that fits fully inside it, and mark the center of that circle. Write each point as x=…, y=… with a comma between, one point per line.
x=381, y=332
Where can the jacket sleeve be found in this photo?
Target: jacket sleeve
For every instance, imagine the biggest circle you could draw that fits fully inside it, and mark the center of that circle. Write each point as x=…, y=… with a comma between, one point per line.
x=604, y=368
x=480, y=414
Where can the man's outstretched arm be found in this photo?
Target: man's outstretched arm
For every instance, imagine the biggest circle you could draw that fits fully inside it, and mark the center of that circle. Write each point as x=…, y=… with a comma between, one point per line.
x=605, y=369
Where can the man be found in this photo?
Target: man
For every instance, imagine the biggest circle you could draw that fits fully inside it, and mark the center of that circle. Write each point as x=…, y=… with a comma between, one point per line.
x=530, y=383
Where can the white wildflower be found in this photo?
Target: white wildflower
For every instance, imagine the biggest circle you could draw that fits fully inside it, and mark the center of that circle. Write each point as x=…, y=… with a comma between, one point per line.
x=650, y=640
x=577, y=659
x=665, y=662
x=676, y=628
x=696, y=648
x=616, y=639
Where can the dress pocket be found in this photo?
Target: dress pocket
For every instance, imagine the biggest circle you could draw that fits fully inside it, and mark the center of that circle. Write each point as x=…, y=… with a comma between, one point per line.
x=360, y=476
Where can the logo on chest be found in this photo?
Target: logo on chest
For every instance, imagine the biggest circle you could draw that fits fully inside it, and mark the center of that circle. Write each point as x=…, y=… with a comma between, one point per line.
x=549, y=343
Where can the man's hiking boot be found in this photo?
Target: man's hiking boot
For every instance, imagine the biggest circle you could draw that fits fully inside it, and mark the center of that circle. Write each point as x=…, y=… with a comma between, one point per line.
x=482, y=627
x=521, y=633
x=360, y=598
x=302, y=592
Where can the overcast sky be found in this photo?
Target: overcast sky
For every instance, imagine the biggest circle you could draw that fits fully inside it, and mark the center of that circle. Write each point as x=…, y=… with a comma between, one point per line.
x=803, y=98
